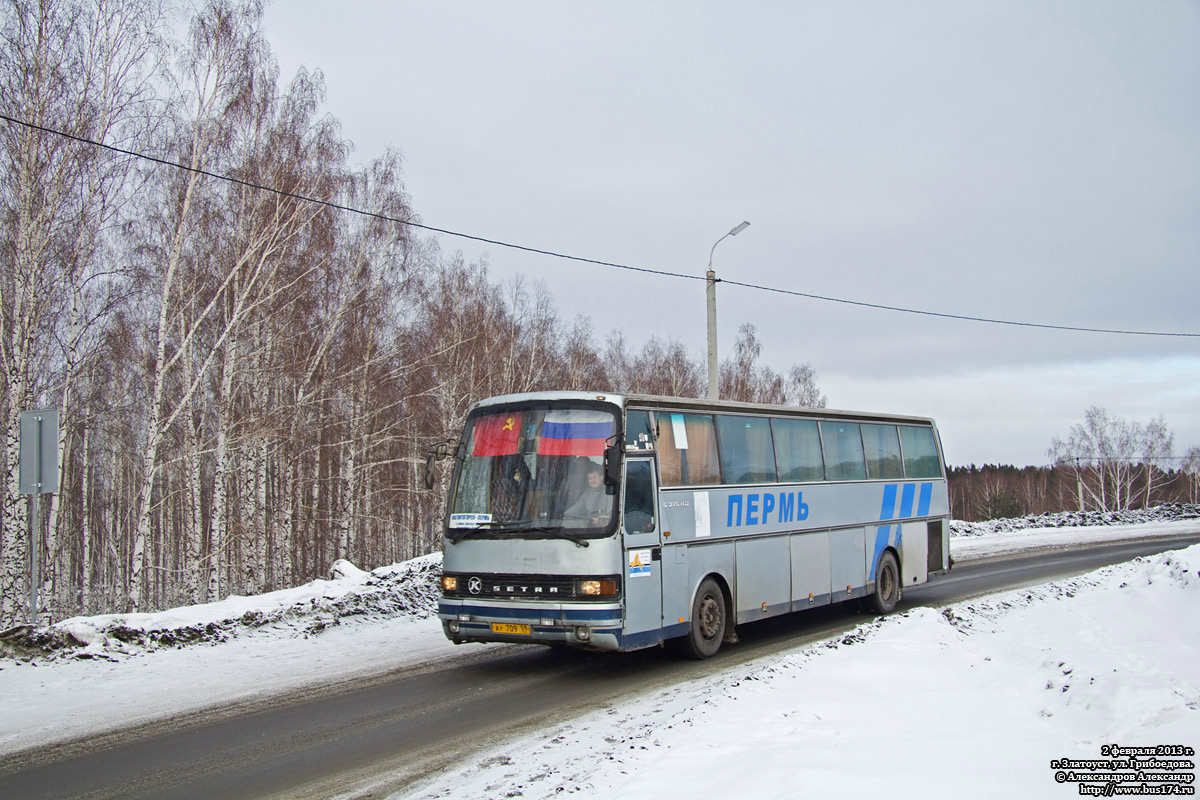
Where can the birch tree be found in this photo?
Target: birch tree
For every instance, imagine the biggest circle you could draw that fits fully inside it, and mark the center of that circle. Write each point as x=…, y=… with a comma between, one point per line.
x=745, y=380
x=40, y=172
x=283, y=147
x=365, y=291
x=582, y=368
x=219, y=67
x=1099, y=453
x=666, y=368
x=1157, y=445
x=1191, y=472
x=83, y=69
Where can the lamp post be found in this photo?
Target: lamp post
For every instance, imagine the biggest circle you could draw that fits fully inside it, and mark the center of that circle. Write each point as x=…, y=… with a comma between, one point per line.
x=711, y=285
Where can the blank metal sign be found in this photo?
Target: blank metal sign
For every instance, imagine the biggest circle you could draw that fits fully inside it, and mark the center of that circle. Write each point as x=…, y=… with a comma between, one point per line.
x=39, y=452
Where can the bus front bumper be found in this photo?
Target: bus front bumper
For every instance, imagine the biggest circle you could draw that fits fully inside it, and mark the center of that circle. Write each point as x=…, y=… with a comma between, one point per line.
x=591, y=626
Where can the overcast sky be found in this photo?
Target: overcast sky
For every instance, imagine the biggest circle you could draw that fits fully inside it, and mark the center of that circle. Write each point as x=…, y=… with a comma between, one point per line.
x=1029, y=161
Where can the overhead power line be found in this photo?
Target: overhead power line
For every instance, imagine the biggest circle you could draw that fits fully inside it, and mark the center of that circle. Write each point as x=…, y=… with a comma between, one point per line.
x=953, y=316
x=579, y=259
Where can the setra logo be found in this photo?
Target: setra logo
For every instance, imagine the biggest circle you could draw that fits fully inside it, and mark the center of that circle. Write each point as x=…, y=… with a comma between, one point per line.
x=475, y=586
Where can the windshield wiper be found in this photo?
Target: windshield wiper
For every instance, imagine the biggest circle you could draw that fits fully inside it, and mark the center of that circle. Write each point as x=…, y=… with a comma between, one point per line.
x=491, y=526
x=465, y=532
x=561, y=534
x=524, y=524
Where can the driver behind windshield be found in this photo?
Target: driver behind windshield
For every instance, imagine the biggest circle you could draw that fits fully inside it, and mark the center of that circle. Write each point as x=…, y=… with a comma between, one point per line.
x=593, y=503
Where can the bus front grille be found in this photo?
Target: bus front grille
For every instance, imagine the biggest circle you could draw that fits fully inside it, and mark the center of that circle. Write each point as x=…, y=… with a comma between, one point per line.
x=523, y=587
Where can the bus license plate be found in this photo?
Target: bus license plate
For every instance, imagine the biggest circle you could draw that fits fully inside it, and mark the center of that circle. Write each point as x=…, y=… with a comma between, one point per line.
x=508, y=627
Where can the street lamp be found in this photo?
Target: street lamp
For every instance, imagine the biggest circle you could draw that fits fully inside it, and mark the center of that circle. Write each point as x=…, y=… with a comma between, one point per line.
x=713, y=378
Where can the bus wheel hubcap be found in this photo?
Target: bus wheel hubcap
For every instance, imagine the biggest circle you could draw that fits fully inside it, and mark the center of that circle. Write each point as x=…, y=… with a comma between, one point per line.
x=710, y=617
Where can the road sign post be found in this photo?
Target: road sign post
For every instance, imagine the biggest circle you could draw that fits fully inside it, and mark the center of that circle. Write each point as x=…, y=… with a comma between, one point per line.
x=38, y=473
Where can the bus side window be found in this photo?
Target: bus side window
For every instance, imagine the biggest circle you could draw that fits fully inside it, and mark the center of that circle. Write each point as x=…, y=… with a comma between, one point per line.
x=639, y=435
x=883, y=451
x=687, y=449
x=844, y=458
x=747, y=453
x=798, y=450
x=920, y=453
x=639, y=497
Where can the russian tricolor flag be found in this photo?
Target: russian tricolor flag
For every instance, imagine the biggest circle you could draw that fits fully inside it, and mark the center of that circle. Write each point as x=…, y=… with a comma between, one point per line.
x=575, y=432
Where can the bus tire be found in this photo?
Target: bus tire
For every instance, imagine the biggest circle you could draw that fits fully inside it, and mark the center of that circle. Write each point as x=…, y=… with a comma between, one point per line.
x=710, y=617
x=887, y=585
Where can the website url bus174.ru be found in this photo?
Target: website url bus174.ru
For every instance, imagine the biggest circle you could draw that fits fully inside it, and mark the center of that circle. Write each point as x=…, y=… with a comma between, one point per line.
x=1133, y=789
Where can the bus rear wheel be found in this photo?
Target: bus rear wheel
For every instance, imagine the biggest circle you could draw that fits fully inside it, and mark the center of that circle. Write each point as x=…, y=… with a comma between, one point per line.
x=709, y=618
x=887, y=585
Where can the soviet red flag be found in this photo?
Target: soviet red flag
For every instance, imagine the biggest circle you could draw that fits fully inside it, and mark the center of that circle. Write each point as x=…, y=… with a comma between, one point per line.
x=496, y=435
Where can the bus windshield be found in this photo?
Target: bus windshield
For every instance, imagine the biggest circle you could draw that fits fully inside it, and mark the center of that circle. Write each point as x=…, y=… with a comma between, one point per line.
x=531, y=469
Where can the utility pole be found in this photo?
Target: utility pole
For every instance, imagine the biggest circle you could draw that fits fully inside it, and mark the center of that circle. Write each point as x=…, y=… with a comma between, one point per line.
x=714, y=382
x=1079, y=483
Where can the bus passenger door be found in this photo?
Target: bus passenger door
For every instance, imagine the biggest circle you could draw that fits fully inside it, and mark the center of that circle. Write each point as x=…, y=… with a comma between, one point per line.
x=643, y=554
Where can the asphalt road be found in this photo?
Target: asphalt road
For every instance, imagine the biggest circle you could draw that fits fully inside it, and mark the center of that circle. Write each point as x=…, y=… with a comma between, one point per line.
x=371, y=737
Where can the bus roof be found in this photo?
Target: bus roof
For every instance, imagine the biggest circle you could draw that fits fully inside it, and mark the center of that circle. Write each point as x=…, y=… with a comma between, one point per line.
x=701, y=405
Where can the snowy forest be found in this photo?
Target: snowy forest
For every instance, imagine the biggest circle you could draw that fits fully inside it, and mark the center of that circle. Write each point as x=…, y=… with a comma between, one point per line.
x=248, y=381
x=252, y=342
x=1106, y=463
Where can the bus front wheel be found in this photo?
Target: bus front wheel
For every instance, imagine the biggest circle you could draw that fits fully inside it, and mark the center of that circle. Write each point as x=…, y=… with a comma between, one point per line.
x=887, y=585
x=709, y=618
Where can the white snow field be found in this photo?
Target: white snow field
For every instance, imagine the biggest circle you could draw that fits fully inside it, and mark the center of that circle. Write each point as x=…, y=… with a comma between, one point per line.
x=980, y=697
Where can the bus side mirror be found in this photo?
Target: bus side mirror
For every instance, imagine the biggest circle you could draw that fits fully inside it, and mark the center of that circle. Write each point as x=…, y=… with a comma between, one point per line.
x=436, y=453
x=429, y=470
x=612, y=464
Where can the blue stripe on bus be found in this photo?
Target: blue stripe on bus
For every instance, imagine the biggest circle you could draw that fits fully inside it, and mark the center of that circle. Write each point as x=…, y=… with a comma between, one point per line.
x=926, y=496
x=906, y=500
x=883, y=536
x=889, y=502
x=531, y=612
x=636, y=641
x=884, y=532
x=887, y=512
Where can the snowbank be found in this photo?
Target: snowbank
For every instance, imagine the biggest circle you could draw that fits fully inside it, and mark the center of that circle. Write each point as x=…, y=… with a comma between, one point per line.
x=1171, y=512
x=976, y=699
x=408, y=591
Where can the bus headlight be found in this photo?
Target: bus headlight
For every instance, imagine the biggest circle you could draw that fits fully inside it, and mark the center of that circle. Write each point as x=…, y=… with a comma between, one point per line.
x=449, y=583
x=596, y=588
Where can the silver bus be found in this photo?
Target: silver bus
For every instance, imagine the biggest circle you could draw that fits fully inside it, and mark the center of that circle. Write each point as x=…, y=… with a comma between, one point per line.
x=618, y=522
